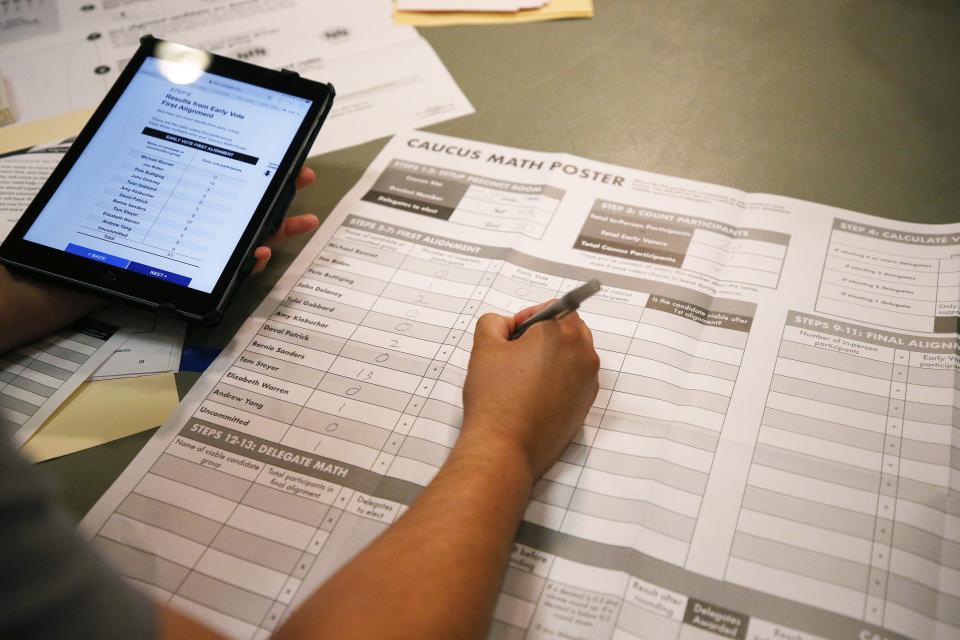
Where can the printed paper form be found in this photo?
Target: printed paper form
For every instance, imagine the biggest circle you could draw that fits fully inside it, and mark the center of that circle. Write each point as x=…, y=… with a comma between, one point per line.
x=340, y=398
x=20, y=20
x=853, y=480
x=906, y=279
x=154, y=345
x=23, y=172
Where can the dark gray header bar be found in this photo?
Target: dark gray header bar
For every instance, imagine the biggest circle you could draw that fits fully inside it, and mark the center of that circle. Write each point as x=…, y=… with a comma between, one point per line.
x=642, y=215
x=572, y=272
x=895, y=235
x=922, y=343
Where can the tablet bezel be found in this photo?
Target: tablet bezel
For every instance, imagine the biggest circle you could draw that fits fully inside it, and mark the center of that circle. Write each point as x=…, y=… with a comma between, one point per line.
x=142, y=289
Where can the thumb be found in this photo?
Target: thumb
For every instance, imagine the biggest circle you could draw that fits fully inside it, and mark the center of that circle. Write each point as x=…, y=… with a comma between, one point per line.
x=491, y=326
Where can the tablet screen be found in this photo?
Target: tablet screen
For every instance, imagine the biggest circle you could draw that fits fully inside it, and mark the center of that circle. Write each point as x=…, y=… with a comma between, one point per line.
x=171, y=178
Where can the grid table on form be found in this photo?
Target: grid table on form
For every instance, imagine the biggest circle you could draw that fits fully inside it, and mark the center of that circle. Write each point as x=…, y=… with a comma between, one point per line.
x=467, y=199
x=363, y=363
x=36, y=378
x=722, y=251
x=902, y=280
x=848, y=505
x=347, y=400
x=670, y=515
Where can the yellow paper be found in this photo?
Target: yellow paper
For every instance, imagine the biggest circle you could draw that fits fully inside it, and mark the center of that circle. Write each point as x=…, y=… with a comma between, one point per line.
x=21, y=136
x=554, y=10
x=103, y=411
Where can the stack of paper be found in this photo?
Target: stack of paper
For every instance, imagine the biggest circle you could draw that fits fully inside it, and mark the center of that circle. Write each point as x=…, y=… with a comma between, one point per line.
x=105, y=378
x=387, y=77
x=436, y=13
x=37, y=378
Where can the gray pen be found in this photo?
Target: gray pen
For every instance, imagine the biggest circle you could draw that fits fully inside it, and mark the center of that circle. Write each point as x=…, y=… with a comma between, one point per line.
x=568, y=303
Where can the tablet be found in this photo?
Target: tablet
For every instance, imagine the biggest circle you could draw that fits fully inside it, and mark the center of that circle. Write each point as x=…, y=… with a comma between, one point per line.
x=185, y=167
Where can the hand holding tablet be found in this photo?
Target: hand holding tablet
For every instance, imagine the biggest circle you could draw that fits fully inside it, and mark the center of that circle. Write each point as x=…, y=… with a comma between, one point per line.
x=186, y=167
x=289, y=227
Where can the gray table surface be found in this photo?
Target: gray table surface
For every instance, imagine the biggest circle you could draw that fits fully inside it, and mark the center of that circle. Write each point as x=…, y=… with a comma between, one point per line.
x=851, y=103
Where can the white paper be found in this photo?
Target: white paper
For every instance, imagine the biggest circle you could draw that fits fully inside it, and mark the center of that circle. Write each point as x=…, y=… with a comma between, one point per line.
x=387, y=77
x=154, y=345
x=22, y=173
x=24, y=20
x=751, y=452
x=20, y=20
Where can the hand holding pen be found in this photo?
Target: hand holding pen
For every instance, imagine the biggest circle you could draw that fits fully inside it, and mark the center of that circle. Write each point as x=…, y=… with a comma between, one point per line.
x=568, y=303
x=534, y=393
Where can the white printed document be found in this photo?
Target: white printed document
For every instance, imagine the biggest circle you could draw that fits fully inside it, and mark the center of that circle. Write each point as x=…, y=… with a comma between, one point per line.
x=772, y=454
x=387, y=77
x=154, y=345
x=22, y=173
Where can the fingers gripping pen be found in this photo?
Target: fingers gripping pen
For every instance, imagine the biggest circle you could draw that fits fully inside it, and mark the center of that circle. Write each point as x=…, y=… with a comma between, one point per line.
x=568, y=303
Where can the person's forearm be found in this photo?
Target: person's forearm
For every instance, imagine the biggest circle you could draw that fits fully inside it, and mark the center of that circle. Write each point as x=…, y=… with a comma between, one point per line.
x=437, y=571
x=31, y=308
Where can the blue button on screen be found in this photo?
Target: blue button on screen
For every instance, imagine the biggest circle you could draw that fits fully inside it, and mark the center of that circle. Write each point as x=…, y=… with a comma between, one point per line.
x=98, y=256
x=159, y=274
